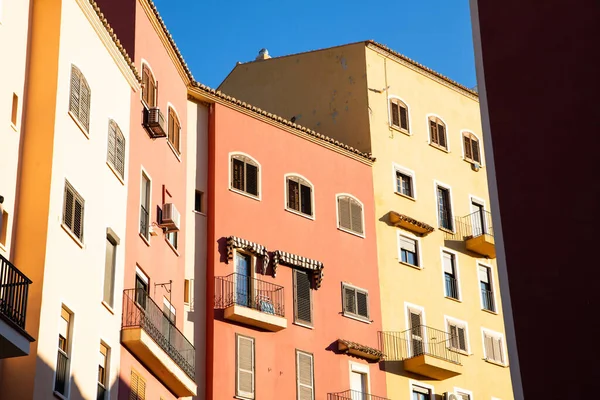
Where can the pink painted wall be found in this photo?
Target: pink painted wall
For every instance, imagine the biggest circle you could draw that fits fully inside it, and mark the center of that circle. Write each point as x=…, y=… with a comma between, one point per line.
x=346, y=257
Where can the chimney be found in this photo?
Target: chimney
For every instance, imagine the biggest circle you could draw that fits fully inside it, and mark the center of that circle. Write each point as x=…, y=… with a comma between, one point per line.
x=263, y=54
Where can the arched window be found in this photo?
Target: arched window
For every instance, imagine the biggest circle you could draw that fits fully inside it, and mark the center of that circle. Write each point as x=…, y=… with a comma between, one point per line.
x=149, y=87
x=437, y=132
x=116, y=148
x=350, y=214
x=245, y=174
x=399, y=114
x=299, y=195
x=471, y=145
x=174, y=129
x=79, y=103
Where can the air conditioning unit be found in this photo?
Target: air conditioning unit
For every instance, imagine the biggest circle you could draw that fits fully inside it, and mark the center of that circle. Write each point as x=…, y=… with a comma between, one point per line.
x=154, y=122
x=450, y=396
x=170, y=217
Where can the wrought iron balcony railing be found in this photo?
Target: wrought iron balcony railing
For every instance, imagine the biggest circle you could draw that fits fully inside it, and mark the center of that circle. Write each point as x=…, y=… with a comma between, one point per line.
x=140, y=311
x=417, y=341
x=249, y=292
x=475, y=224
x=487, y=300
x=353, y=395
x=14, y=288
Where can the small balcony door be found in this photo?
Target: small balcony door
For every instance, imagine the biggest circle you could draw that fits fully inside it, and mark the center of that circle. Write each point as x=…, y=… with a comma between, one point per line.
x=141, y=290
x=416, y=332
x=477, y=217
x=243, y=268
x=358, y=386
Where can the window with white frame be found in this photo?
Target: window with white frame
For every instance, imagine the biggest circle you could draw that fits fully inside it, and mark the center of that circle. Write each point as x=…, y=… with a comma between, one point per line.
x=409, y=250
x=305, y=376
x=399, y=114
x=471, y=147
x=457, y=330
x=299, y=195
x=245, y=175
x=437, y=133
x=355, y=302
x=73, y=211
x=444, y=205
x=245, y=367
x=462, y=394
x=421, y=393
x=172, y=238
x=404, y=183
x=486, y=288
x=62, y=376
x=493, y=347
x=350, y=214
x=451, y=287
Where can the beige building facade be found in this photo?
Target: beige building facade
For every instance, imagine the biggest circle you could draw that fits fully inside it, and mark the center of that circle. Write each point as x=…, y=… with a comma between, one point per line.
x=443, y=331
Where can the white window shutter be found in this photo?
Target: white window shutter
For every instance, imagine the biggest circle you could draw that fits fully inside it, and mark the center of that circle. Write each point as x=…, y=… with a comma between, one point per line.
x=304, y=371
x=245, y=367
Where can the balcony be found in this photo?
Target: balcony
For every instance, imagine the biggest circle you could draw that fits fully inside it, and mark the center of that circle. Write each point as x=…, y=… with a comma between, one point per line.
x=154, y=122
x=14, y=287
x=353, y=395
x=251, y=301
x=476, y=229
x=423, y=350
x=149, y=335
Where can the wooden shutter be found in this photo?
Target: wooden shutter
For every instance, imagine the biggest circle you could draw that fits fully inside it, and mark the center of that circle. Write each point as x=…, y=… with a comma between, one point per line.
x=468, y=148
x=176, y=133
x=304, y=376
x=344, y=212
x=441, y=130
x=462, y=338
x=303, y=297
x=245, y=367
x=395, y=113
x=488, y=344
x=362, y=303
x=415, y=323
x=252, y=179
x=237, y=174
x=137, y=390
x=120, y=153
x=171, y=129
x=149, y=87
x=84, y=104
x=349, y=300
x=145, y=83
x=112, y=143
x=356, y=216
x=75, y=92
x=403, y=118
x=476, y=155
x=433, y=132
x=78, y=218
x=305, y=200
x=293, y=195
x=454, y=337
x=68, y=208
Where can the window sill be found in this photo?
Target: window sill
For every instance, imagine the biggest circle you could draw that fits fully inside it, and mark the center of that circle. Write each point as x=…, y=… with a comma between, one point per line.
x=114, y=171
x=453, y=299
x=251, y=196
x=243, y=398
x=171, y=246
x=471, y=162
x=145, y=240
x=435, y=146
x=311, y=217
x=410, y=265
x=71, y=235
x=489, y=311
x=3, y=247
x=450, y=231
x=303, y=325
x=81, y=127
x=401, y=130
x=499, y=364
x=14, y=127
x=360, y=319
x=405, y=196
x=175, y=151
x=199, y=213
x=360, y=235
x=459, y=351
x=59, y=396
x=109, y=308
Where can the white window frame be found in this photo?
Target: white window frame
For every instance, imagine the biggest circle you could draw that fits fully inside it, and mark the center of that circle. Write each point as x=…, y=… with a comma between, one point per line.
x=448, y=320
x=361, y=369
x=443, y=185
x=312, y=195
x=337, y=215
x=356, y=316
x=462, y=145
x=69, y=351
x=252, y=261
x=407, y=307
x=495, y=334
x=142, y=274
x=390, y=97
x=447, y=129
x=258, y=176
x=413, y=382
x=492, y=285
x=417, y=240
x=463, y=391
x=143, y=172
x=413, y=178
x=456, y=273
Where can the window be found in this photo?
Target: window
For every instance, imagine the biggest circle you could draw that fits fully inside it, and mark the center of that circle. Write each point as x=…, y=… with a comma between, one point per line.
x=487, y=290
x=244, y=174
x=299, y=195
x=174, y=130
x=408, y=250
x=437, y=132
x=73, y=211
x=471, y=147
x=355, y=302
x=149, y=87
x=305, y=376
x=109, y=268
x=444, y=208
x=350, y=214
x=102, y=373
x=145, y=207
x=116, y=148
x=172, y=238
x=198, y=201
x=137, y=387
x=399, y=114
x=417, y=331
x=141, y=287
x=79, y=103
x=302, y=298
x=421, y=393
x=3, y=226
x=457, y=330
x=450, y=275
x=187, y=291
x=404, y=184
x=15, y=110
x=245, y=366
x=493, y=346
x=61, y=380
x=463, y=394
x=168, y=319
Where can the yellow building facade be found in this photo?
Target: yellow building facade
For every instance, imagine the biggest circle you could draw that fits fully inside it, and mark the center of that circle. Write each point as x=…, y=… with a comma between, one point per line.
x=440, y=300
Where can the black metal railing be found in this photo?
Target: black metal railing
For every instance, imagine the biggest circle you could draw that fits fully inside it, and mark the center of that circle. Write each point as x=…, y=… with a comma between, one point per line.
x=249, y=292
x=353, y=395
x=419, y=340
x=140, y=311
x=62, y=367
x=14, y=288
x=144, y=221
x=451, y=286
x=475, y=224
x=487, y=299
x=445, y=219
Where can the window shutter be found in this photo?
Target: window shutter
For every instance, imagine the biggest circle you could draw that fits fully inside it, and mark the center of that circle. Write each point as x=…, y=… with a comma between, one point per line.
x=488, y=346
x=84, y=111
x=415, y=323
x=68, y=211
x=408, y=244
x=454, y=337
x=133, y=386
x=306, y=199
x=120, y=153
x=171, y=129
x=356, y=214
x=433, y=132
x=293, y=195
x=403, y=118
x=468, y=149
x=448, y=263
x=305, y=376
x=349, y=300
x=344, y=212
x=177, y=134
x=497, y=348
x=303, y=302
x=141, y=389
x=441, y=129
x=145, y=83
x=245, y=367
x=462, y=340
x=75, y=94
x=252, y=179
x=476, y=155
x=78, y=218
x=362, y=304
x=112, y=140
x=238, y=174
x=395, y=113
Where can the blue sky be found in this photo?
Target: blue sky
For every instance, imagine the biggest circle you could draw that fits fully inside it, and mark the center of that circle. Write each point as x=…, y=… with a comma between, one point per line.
x=214, y=35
